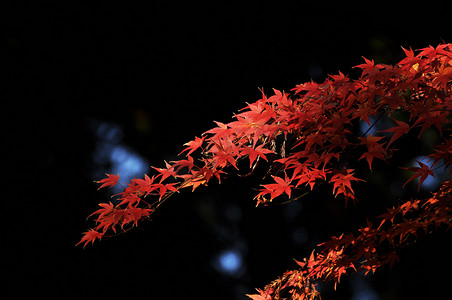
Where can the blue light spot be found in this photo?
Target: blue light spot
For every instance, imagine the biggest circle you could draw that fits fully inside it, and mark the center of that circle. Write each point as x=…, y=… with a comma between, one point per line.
x=109, y=132
x=361, y=289
x=112, y=156
x=365, y=294
x=127, y=164
x=229, y=262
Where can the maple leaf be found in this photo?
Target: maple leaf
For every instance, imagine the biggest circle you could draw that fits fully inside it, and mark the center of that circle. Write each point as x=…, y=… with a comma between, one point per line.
x=261, y=296
x=188, y=163
x=374, y=149
x=369, y=68
x=146, y=185
x=442, y=152
x=219, y=132
x=430, y=116
x=130, y=199
x=431, y=52
x=423, y=171
x=90, y=236
x=106, y=209
x=410, y=58
x=394, y=101
x=339, y=79
x=253, y=153
x=258, y=112
x=166, y=187
x=201, y=176
x=193, y=180
x=134, y=214
x=342, y=183
x=223, y=158
x=245, y=126
x=110, y=181
x=444, y=76
x=193, y=145
x=166, y=172
x=308, y=175
x=397, y=130
x=276, y=189
x=364, y=112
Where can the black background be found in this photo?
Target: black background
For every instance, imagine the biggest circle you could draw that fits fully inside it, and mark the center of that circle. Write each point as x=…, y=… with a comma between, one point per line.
x=164, y=72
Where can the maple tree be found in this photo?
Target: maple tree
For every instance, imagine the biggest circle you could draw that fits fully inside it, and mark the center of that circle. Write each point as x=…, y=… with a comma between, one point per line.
x=308, y=138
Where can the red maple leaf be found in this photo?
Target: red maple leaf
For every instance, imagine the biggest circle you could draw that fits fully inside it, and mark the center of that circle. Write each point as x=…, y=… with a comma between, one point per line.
x=369, y=68
x=146, y=185
x=429, y=118
x=223, y=158
x=342, y=183
x=90, y=236
x=423, y=172
x=374, y=149
x=133, y=214
x=339, y=79
x=442, y=152
x=111, y=180
x=106, y=209
x=431, y=52
x=195, y=179
x=163, y=188
x=410, y=58
x=220, y=131
x=276, y=189
x=188, y=163
x=253, y=153
x=444, y=76
x=364, y=111
x=398, y=131
x=166, y=172
x=193, y=145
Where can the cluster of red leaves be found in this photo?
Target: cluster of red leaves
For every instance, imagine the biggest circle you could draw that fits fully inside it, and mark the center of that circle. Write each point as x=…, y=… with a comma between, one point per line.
x=372, y=248
x=291, y=285
x=308, y=138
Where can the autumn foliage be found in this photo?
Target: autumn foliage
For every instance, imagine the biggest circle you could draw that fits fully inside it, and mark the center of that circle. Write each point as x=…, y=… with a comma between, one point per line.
x=309, y=138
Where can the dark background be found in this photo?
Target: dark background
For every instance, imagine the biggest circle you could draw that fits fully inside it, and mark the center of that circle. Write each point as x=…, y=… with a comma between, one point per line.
x=161, y=73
